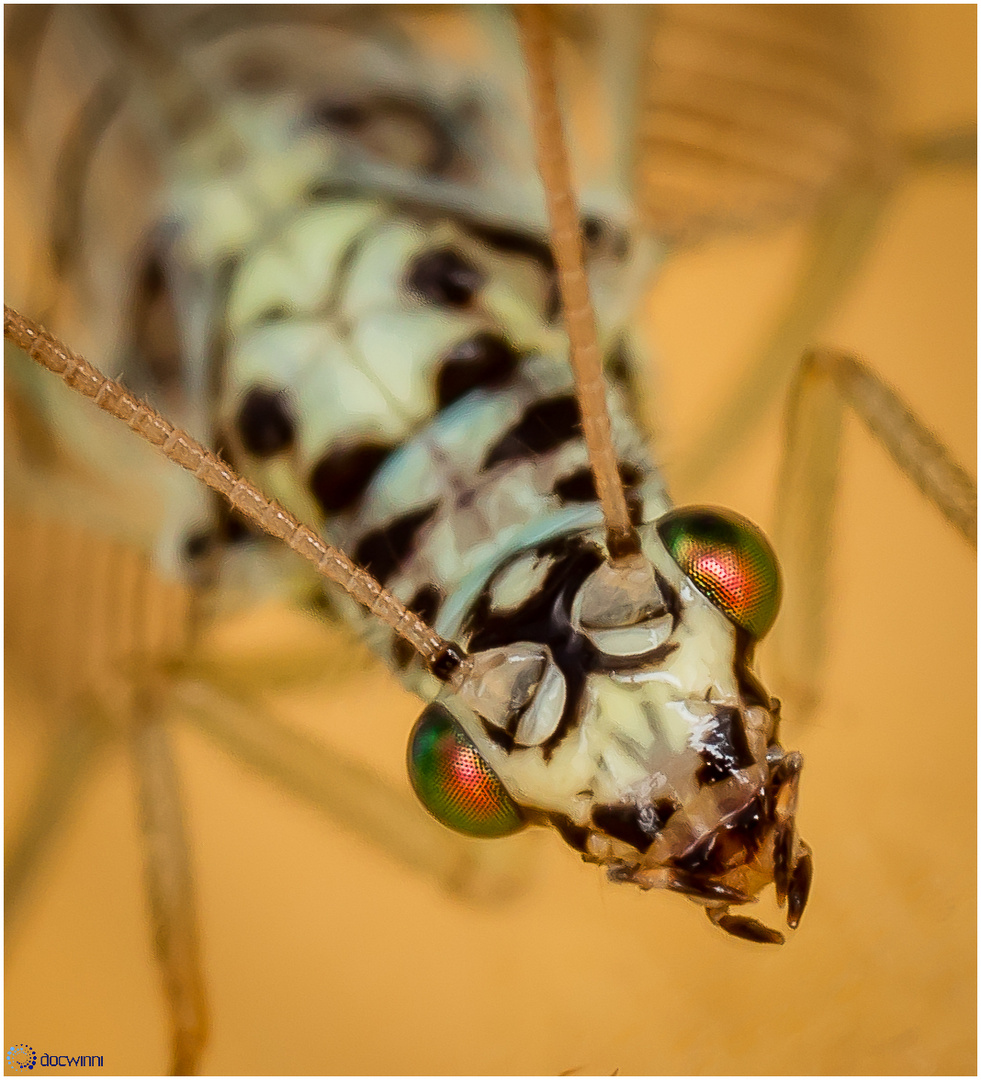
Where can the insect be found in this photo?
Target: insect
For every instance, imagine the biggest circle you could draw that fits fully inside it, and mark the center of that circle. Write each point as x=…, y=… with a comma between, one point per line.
x=646, y=916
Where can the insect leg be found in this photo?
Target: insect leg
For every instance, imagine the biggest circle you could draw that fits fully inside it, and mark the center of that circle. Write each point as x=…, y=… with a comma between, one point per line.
x=169, y=887
x=743, y=926
x=73, y=753
x=50, y=629
x=837, y=242
x=826, y=383
x=166, y=856
x=344, y=791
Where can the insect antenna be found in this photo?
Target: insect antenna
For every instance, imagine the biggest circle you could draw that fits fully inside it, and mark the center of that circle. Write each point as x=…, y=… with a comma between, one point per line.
x=622, y=540
x=441, y=657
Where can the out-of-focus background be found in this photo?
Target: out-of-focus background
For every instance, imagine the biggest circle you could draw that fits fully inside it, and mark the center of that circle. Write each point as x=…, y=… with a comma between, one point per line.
x=323, y=956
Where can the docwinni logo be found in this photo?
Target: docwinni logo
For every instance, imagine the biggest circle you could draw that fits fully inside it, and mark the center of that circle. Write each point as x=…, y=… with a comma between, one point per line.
x=22, y=1056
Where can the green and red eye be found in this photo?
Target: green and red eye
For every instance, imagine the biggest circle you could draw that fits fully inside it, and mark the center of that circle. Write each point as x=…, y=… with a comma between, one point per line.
x=729, y=560
x=453, y=781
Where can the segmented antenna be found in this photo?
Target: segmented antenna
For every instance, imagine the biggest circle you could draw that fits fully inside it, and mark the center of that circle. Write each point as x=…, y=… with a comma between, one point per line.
x=622, y=540
x=441, y=657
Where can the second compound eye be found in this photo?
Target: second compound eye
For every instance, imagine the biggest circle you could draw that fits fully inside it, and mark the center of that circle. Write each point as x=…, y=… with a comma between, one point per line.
x=453, y=781
x=729, y=560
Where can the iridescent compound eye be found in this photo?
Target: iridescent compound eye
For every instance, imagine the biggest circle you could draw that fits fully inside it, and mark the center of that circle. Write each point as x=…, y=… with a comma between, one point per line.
x=729, y=560
x=453, y=781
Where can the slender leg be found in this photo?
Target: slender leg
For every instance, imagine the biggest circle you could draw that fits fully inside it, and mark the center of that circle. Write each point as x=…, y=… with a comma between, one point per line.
x=346, y=791
x=72, y=755
x=826, y=383
x=170, y=889
x=47, y=595
x=166, y=854
x=837, y=242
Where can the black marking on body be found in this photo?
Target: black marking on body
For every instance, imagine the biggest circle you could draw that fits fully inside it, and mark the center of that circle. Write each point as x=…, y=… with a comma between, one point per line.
x=700, y=860
x=670, y=596
x=326, y=189
x=636, y=825
x=230, y=528
x=512, y=242
x=742, y=835
x=617, y=366
x=751, y=690
x=425, y=602
x=197, y=544
x=265, y=422
x=545, y=617
x=216, y=349
x=383, y=550
x=603, y=238
x=543, y=427
x=704, y=889
x=592, y=230
x=444, y=276
x=725, y=748
x=800, y=888
x=155, y=335
x=783, y=844
x=484, y=360
x=635, y=508
x=580, y=486
x=528, y=246
x=576, y=836
x=275, y=313
x=403, y=133
x=343, y=475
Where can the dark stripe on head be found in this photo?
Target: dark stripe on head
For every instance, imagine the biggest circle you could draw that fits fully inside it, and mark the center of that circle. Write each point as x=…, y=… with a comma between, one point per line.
x=485, y=360
x=725, y=749
x=444, y=277
x=425, y=603
x=576, y=836
x=383, y=550
x=342, y=476
x=544, y=427
x=265, y=422
x=544, y=617
x=638, y=826
x=751, y=690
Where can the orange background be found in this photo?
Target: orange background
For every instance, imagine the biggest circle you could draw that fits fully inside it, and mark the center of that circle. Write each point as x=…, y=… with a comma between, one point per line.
x=322, y=956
